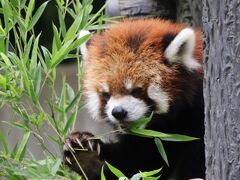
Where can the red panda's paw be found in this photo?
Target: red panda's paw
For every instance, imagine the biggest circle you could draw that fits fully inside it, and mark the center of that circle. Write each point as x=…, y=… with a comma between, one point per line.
x=81, y=149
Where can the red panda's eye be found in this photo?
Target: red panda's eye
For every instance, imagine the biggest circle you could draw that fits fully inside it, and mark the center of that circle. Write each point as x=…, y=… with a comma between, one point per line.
x=137, y=92
x=106, y=96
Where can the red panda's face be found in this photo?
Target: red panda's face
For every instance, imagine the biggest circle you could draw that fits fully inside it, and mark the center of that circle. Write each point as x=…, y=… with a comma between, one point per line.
x=131, y=72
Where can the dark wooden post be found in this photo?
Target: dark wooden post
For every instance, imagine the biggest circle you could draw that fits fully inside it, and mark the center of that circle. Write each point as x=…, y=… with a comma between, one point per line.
x=189, y=11
x=221, y=25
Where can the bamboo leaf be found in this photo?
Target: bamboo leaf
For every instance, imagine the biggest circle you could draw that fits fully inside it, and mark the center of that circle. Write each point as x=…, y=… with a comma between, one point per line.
x=3, y=82
x=141, y=122
x=95, y=16
x=115, y=171
x=59, y=56
x=162, y=136
x=56, y=40
x=102, y=174
x=70, y=122
x=21, y=147
x=161, y=150
x=71, y=33
x=4, y=142
x=29, y=12
x=47, y=57
x=27, y=50
x=5, y=59
x=179, y=138
x=73, y=102
x=80, y=41
x=70, y=92
x=37, y=80
x=16, y=125
x=14, y=151
x=148, y=133
x=56, y=166
x=37, y=15
x=33, y=62
x=62, y=23
x=150, y=173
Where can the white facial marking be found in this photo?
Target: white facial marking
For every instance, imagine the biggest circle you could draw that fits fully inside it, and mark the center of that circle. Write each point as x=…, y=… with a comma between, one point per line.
x=105, y=87
x=136, y=108
x=83, y=47
x=187, y=38
x=128, y=84
x=160, y=97
x=93, y=104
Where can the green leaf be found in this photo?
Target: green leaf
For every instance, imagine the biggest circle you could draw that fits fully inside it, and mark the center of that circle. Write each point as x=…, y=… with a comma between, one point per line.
x=95, y=16
x=70, y=122
x=7, y=12
x=115, y=171
x=2, y=44
x=4, y=142
x=3, y=82
x=179, y=138
x=27, y=49
x=14, y=151
x=62, y=22
x=40, y=119
x=21, y=147
x=163, y=136
x=150, y=173
x=55, y=140
x=37, y=79
x=61, y=53
x=16, y=125
x=102, y=174
x=70, y=92
x=33, y=62
x=32, y=93
x=66, y=48
x=161, y=150
x=80, y=41
x=141, y=122
x=29, y=13
x=5, y=59
x=56, y=40
x=152, y=178
x=37, y=15
x=47, y=57
x=73, y=102
x=71, y=33
x=56, y=166
x=147, y=133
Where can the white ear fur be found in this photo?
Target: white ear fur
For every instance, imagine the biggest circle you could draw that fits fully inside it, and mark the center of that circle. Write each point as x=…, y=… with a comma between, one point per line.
x=83, y=46
x=173, y=53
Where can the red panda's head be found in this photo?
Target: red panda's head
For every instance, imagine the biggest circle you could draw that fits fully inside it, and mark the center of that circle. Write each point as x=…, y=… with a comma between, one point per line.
x=136, y=67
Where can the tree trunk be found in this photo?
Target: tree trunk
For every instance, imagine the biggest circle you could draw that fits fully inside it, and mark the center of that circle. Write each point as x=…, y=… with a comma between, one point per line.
x=221, y=25
x=189, y=11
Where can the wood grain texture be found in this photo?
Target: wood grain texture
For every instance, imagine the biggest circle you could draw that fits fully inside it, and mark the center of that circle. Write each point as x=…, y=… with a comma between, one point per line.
x=221, y=24
x=142, y=8
x=189, y=11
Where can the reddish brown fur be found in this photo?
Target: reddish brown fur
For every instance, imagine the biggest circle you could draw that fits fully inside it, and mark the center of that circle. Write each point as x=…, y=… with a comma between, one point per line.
x=132, y=49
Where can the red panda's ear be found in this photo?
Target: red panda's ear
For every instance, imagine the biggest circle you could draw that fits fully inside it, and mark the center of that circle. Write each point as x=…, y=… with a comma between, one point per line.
x=181, y=49
x=83, y=46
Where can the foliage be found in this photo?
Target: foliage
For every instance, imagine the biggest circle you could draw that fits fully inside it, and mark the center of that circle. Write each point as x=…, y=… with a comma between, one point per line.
x=26, y=68
x=148, y=175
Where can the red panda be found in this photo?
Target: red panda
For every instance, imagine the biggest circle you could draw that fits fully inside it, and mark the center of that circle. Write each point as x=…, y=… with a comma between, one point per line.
x=132, y=69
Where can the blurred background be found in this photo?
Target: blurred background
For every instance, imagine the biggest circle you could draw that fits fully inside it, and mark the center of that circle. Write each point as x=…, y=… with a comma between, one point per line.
x=187, y=11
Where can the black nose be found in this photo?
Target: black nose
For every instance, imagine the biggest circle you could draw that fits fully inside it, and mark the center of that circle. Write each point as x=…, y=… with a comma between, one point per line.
x=119, y=113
